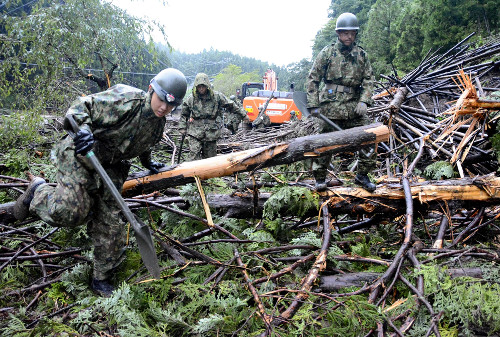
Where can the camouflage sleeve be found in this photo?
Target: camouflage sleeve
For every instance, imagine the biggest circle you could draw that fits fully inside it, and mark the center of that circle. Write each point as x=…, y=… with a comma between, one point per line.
x=367, y=84
x=186, y=112
x=81, y=110
x=314, y=78
x=231, y=106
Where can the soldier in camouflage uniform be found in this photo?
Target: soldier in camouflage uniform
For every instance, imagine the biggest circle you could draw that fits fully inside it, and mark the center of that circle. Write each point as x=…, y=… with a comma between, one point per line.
x=201, y=117
x=118, y=124
x=234, y=119
x=262, y=121
x=348, y=85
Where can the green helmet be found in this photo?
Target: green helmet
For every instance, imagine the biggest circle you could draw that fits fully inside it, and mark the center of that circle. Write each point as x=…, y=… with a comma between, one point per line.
x=170, y=85
x=347, y=21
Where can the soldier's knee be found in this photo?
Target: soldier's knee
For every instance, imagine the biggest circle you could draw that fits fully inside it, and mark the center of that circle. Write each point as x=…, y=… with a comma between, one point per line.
x=64, y=216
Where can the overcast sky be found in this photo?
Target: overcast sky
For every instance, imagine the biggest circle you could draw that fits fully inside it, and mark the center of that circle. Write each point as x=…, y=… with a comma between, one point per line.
x=274, y=31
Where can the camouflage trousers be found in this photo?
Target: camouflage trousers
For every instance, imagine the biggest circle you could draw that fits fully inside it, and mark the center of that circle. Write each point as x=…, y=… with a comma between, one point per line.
x=366, y=163
x=200, y=149
x=80, y=197
x=233, y=126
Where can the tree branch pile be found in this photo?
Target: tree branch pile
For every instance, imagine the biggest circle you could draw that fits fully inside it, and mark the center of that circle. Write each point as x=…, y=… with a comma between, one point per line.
x=273, y=257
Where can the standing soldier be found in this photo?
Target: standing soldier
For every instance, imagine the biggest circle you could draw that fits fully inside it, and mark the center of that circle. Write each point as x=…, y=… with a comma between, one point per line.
x=118, y=124
x=348, y=77
x=201, y=117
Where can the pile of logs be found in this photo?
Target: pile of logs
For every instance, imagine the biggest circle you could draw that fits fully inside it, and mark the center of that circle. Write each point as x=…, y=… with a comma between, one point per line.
x=438, y=102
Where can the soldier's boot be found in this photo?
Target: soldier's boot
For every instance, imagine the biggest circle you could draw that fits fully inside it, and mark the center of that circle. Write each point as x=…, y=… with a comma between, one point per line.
x=320, y=185
x=22, y=205
x=364, y=181
x=102, y=287
x=320, y=178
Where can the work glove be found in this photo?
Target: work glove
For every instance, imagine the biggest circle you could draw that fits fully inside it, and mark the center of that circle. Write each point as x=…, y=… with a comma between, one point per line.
x=84, y=140
x=152, y=166
x=361, y=109
x=315, y=112
x=182, y=132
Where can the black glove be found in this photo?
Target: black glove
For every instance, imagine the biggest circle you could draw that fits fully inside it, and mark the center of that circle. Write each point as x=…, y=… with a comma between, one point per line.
x=84, y=140
x=152, y=166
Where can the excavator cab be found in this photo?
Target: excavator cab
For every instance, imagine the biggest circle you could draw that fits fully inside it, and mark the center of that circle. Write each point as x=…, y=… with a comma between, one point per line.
x=248, y=88
x=254, y=95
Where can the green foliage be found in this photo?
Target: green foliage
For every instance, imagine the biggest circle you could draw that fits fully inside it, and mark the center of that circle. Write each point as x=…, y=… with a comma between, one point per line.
x=208, y=323
x=257, y=235
x=361, y=8
x=231, y=78
x=14, y=328
x=495, y=142
x=11, y=277
x=212, y=62
x=306, y=238
x=439, y=170
x=59, y=40
x=19, y=129
x=381, y=34
x=356, y=317
x=51, y=327
x=361, y=249
x=73, y=237
x=124, y=309
x=288, y=200
x=295, y=73
x=324, y=37
x=466, y=302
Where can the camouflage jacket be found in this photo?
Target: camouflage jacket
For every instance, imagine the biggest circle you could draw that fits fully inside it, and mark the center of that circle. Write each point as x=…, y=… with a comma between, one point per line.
x=207, y=112
x=122, y=121
x=348, y=67
x=236, y=116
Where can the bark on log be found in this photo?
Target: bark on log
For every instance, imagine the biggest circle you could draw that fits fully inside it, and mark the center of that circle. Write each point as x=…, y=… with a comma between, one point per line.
x=277, y=154
x=398, y=100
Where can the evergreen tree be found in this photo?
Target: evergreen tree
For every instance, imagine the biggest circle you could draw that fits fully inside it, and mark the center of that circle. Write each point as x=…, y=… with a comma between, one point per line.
x=324, y=37
x=231, y=78
x=360, y=8
x=380, y=35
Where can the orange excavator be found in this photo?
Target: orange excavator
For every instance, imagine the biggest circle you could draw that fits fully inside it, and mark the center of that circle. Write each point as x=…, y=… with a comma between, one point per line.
x=281, y=107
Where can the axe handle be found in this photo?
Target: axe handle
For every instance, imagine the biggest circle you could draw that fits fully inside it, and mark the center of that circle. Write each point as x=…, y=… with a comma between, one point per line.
x=180, y=148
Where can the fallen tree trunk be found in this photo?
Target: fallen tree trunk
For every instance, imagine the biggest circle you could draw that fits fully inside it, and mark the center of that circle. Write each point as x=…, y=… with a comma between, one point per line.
x=388, y=198
x=276, y=154
x=334, y=283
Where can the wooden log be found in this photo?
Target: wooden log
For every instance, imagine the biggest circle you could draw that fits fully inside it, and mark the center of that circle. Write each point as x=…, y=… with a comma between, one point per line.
x=333, y=283
x=276, y=154
x=388, y=198
x=398, y=100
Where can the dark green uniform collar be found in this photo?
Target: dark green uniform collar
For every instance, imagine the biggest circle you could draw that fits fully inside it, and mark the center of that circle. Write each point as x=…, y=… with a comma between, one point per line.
x=343, y=48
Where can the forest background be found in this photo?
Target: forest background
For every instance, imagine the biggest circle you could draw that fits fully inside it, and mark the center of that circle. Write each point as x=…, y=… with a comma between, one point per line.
x=53, y=51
